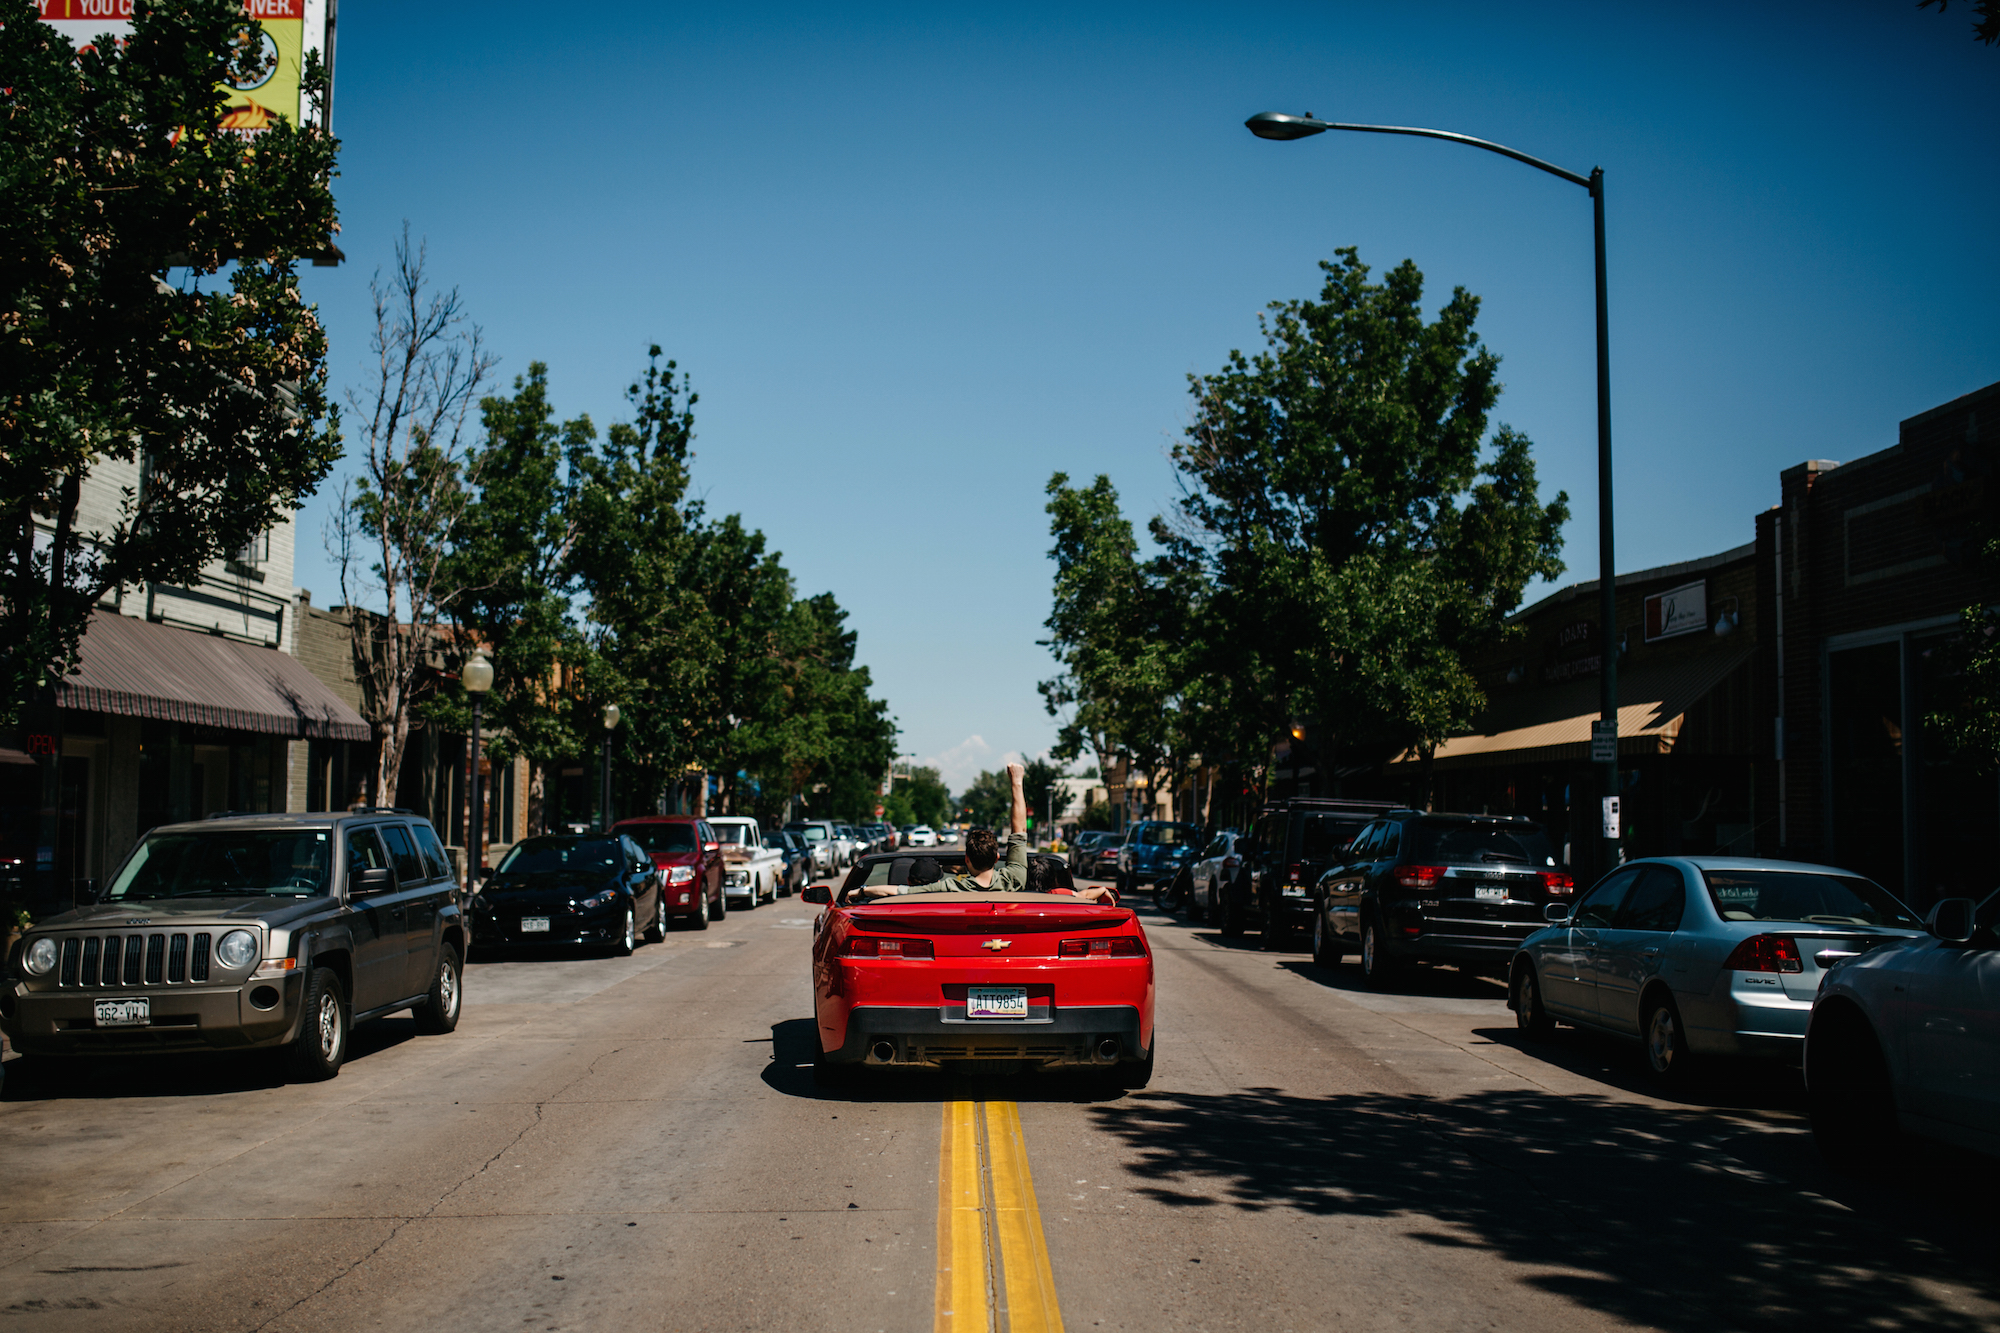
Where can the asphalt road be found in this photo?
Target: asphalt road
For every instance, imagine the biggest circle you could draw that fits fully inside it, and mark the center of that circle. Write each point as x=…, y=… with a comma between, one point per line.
x=613, y=1144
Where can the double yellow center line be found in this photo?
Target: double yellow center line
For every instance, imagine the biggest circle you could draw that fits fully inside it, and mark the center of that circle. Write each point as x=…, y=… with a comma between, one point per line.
x=986, y=1194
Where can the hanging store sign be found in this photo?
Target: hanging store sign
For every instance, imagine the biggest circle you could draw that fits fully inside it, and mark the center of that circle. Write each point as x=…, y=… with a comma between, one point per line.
x=1682, y=610
x=268, y=91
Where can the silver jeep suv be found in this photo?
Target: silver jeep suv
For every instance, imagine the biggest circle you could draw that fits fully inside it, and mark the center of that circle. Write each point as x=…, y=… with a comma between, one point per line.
x=243, y=932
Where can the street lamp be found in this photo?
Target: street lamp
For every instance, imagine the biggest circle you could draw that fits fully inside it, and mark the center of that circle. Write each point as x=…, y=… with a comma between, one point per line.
x=477, y=677
x=610, y=725
x=1604, y=734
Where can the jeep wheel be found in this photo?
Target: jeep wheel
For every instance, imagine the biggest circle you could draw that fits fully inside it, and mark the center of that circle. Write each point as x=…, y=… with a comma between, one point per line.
x=1376, y=965
x=1525, y=999
x=315, y=1055
x=627, y=940
x=1326, y=945
x=437, y=1013
x=657, y=931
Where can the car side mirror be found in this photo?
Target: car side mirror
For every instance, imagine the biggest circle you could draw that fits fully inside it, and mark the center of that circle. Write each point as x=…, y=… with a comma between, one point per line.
x=822, y=894
x=711, y=847
x=485, y=872
x=362, y=883
x=1953, y=920
x=83, y=892
x=1557, y=913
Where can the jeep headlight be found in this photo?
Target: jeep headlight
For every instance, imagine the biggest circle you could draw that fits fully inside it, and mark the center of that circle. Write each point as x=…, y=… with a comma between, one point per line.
x=40, y=957
x=237, y=949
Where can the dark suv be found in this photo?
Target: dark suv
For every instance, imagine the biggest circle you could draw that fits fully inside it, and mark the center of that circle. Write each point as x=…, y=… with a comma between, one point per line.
x=1292, y=842
x=1416, y=887
x=248, y=931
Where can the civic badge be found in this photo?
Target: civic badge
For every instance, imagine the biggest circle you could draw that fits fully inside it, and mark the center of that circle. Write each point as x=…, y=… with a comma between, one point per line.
x=996, y=945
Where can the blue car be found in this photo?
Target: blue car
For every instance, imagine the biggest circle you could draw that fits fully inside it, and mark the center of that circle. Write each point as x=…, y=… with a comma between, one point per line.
x=1152, y=847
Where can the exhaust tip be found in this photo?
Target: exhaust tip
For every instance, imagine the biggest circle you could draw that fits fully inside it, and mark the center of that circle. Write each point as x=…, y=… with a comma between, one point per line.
x=884, y=1051
x=1108, y=1049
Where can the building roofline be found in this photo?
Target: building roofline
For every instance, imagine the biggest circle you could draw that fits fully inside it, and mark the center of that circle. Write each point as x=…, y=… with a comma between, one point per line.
x=1685, y=567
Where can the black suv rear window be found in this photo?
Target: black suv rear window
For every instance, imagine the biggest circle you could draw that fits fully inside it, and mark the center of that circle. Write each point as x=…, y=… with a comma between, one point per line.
x=1322, y=837
x=1479, y=842
x=1804, y=895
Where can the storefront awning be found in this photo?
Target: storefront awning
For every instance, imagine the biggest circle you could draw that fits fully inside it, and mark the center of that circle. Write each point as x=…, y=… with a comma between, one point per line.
x=135, y=669
x=1553, y=725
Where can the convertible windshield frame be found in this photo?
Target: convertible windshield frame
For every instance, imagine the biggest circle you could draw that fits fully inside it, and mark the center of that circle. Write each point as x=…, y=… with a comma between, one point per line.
x=234, y=863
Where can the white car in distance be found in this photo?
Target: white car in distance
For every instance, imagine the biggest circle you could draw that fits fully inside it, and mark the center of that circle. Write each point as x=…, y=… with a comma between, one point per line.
x=923, y=836
x=750, y=870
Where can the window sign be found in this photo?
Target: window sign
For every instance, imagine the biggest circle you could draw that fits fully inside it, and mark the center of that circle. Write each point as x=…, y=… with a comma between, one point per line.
x=1682, y=610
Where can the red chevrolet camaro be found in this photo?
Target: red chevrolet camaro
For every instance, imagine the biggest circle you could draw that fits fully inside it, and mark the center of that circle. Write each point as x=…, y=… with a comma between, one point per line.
x=927, y=980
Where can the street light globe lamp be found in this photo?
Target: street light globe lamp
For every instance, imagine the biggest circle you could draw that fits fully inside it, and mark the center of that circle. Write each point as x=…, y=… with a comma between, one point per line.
x=477, y=678
x=610, y=716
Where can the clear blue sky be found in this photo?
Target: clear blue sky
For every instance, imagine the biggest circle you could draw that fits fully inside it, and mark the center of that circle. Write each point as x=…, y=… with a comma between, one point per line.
x=916, y=260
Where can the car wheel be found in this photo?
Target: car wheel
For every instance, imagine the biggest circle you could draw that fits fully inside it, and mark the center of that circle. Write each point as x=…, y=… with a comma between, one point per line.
x=699, y=921
x=1525, y=996
x=1326, y=945
x=658, y=930
x=1137, y=1073
x=1211, y=911
x=438, y=1014
x=315, y=1055
x=1229, y=915
x=718, y=907
x=1848, y=1096
x=1376, y=965
x=825, y=1072
x=629, y=939
x=1665, y=1042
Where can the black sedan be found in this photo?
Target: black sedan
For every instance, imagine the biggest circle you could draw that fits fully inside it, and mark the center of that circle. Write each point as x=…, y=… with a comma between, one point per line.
x=593, y=889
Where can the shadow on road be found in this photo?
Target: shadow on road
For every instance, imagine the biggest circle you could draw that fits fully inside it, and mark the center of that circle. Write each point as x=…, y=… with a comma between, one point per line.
x=1668, y=1217
x=790, y=1072
x=180, y=1073
x=1449, y=983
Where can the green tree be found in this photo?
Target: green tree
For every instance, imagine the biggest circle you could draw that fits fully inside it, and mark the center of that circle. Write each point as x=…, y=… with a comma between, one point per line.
x=1356, y=532
x=1985, y=18
x=1039, y=779
x=989, y=800
x=925, y=796
x=1967, y=718
x=208, y=393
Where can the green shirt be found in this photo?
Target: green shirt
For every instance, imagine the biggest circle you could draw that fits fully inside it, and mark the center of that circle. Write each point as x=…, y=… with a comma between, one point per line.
x=1010, y=876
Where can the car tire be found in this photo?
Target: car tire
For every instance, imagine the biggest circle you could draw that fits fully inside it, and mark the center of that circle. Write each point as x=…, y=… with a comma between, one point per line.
x=1377, y=968
x=826, y=1073
x=437, y=1012
x=1229, y=914
x=657, y=931
x=1134, y=1074
x=320, y=1048
x=1663, y=1042
x=1848, y=1095
x=1525, y=997
x=628, y=941
x=718, y=907
x=699, y=921
x=1327, y=952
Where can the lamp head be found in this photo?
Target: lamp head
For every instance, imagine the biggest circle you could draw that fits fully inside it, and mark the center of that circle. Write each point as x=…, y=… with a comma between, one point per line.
x=611, y=717
x=477, y=673
x=1278, y=125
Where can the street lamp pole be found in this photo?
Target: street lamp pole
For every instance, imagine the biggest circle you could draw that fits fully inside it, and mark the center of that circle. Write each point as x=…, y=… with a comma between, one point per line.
x=1604, y=735
x=610, y=725
x=477, y=677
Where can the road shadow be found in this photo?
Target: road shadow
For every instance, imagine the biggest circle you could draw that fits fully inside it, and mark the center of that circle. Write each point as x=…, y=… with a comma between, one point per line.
x=790, y=1072
x=1666, y=1217
x=1742, y=1085
x=1439, y=983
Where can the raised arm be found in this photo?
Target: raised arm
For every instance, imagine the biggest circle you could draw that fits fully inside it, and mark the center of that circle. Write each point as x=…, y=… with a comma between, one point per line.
x=1019, y=826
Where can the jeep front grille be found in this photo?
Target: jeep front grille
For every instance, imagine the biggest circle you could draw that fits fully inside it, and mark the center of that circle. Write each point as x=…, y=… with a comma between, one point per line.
x=131, y=960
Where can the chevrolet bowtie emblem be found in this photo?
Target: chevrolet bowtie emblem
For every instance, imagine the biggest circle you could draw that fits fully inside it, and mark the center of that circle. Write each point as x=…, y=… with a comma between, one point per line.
x=996, y=945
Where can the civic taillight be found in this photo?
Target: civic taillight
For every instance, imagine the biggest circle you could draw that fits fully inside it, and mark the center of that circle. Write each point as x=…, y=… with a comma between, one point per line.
x=1556, y=884
x=1418, y=877
x=1116, y=946
x=1765, y=953
x=872, y=947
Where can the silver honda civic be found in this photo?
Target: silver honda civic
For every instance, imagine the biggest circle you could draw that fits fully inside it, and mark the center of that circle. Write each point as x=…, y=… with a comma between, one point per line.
x=1700, y=955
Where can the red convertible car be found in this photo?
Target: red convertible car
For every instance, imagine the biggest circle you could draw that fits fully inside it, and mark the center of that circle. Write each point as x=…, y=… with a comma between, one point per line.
x=930, y=980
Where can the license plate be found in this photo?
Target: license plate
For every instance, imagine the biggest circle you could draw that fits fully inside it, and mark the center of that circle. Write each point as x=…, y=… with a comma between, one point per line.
x=996, y=1002
x=1490, y=893
x=124, y=1013
x=531, y=924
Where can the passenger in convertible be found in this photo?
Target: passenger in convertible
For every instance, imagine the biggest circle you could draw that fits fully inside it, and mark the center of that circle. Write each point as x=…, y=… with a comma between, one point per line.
x=982, y=853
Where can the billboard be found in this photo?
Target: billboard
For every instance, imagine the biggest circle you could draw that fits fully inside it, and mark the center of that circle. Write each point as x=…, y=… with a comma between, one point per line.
x=269, y=92
x=1681, y=610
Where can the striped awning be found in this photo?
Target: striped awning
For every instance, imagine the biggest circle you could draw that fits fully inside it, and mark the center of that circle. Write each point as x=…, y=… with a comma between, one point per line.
x=135, y=669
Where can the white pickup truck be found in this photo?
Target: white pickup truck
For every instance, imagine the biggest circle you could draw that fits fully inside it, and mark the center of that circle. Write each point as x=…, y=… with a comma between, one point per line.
x=750, y=870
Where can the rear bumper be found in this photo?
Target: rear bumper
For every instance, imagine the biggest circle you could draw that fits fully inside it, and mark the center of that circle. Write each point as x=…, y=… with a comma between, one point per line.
x=930, y=1036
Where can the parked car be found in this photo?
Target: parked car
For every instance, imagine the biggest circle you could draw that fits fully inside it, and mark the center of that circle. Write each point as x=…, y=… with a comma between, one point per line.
x=798, y=860
x=1215, y=867
x=750, y=870
x=689, y=857
x=947, y=835
x=1038, y=980
x=252, y=931
x=1292, y=843
x=1696, y=956
x=564, y=889
x=1907, y=1037
x=818, y=835
x=1083, y=850
x=1102, y=863
x=1151, y=848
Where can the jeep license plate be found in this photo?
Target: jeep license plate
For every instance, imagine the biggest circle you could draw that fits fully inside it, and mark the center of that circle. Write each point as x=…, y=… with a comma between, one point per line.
x=1490, y=893
x=534, y=924
x=996, y=1002
x=124, y=1013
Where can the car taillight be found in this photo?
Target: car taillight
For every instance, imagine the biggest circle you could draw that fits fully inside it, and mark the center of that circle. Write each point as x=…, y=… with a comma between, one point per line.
x=1228, y=865
x=1292, y=872
x=1556, y=884
x=1765, y=953
x=1116, y=946
x=1418, y=877
x=880, y=948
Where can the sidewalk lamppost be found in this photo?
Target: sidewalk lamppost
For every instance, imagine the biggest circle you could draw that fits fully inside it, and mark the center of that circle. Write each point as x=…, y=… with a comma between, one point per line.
x=610, y=725
x=1604, y=734
x=477, y=677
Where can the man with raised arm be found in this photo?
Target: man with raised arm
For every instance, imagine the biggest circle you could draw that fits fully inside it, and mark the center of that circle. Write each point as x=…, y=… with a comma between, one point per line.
x=984, y=874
